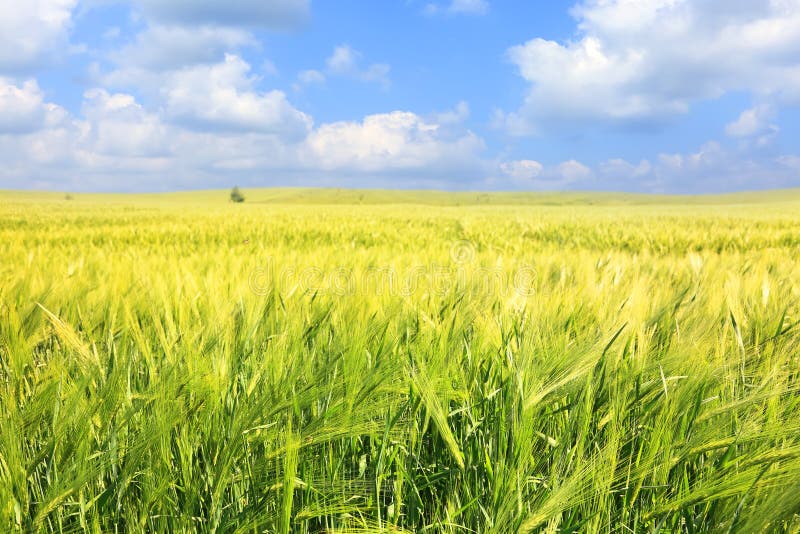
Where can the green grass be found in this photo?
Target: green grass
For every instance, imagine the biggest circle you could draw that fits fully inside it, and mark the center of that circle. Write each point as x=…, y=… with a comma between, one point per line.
x=365, y=361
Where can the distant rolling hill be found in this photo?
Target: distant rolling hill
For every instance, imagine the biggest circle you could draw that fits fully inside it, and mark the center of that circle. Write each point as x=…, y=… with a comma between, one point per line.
x=310, y=195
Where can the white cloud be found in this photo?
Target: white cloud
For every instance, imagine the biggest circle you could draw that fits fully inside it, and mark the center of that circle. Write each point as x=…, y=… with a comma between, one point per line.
x=643, y=60
x=345, y=61
x=118, y=144
x=751, y=121
x=397, y=140
x=43, y=158
x=23, y=110
x=222, y=96
x=271, y=14
x=36, y=137
x=116, y=125
x=32, y=32
x=161, y=47
x=115, y=144
x=522, y=170
x=755, y=123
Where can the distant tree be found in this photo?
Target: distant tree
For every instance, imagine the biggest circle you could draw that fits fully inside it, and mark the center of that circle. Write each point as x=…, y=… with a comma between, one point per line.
x=236, y=195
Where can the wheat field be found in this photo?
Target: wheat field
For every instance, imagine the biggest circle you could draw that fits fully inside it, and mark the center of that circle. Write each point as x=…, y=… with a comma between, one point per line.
x=371, y=361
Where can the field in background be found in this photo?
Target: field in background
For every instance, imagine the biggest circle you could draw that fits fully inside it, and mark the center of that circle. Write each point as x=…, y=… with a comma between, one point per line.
x=310, y=195
x=351, y=361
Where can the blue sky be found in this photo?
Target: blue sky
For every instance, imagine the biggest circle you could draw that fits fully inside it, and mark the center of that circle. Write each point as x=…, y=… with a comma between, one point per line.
x=637, y=95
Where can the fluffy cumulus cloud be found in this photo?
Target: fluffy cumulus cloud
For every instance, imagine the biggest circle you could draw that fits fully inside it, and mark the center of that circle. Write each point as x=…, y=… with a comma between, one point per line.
x=36, y=137
x=118, y=126
x=40, y=159
x=755, y=125
x=113, y=135
x=751, y=122
x=270, y=14
x=161, y=47
x=32, y=32
x=222, y=96
x=23, y=110
x=644, y=60
x=397, y=140
x=117, y=143
x=195, y=77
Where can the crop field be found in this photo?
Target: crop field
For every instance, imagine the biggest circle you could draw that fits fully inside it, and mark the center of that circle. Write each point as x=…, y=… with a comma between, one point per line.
x=370, y=361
